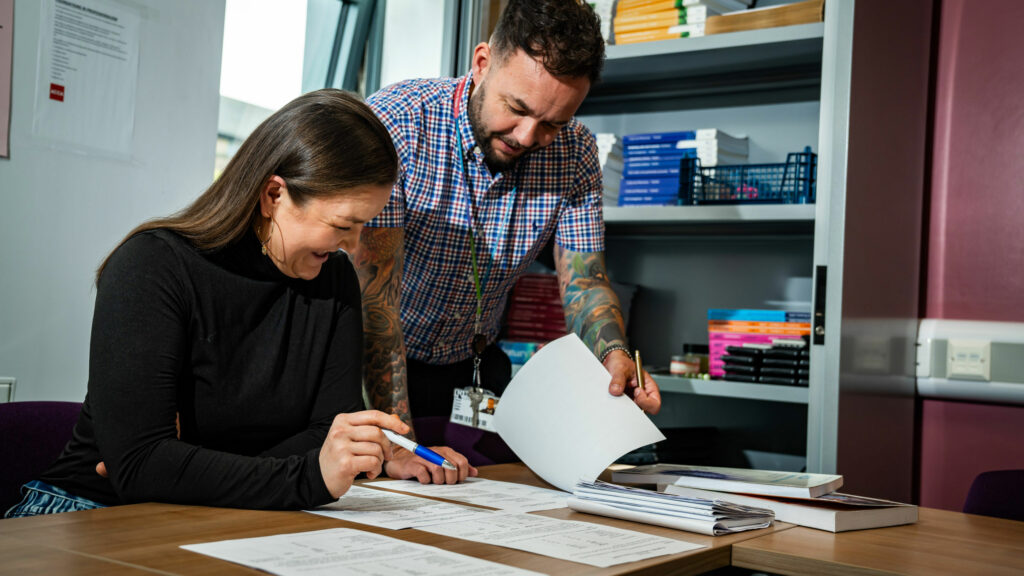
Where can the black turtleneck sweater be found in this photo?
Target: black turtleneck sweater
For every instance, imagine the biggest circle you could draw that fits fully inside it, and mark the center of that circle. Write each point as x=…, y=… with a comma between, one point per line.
x=256, y=364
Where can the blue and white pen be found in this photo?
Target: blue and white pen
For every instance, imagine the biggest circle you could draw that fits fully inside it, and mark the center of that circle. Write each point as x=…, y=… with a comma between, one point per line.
x=421, y=451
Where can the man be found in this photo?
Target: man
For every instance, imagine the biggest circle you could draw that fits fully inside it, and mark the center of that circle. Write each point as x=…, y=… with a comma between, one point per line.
x=493, y=166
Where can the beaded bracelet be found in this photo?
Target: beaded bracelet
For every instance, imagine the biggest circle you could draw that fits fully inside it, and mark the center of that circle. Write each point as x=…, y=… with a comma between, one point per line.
x=613, y=348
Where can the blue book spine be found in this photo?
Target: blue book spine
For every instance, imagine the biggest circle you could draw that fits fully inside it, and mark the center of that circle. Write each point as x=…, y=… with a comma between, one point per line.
x=646, y=172
x=664, y=185
x=758, y=315
x=658, y=137
x=660, y=153
x=647, y=200
x=654, y=162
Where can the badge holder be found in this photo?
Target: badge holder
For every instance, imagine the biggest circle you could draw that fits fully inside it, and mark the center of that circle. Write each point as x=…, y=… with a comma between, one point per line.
x=473, y=405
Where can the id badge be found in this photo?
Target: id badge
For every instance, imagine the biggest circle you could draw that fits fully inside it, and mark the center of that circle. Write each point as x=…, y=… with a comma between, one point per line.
x=474, y=409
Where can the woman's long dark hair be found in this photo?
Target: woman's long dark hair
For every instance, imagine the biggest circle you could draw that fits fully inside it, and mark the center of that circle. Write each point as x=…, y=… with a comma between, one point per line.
x=322, y=144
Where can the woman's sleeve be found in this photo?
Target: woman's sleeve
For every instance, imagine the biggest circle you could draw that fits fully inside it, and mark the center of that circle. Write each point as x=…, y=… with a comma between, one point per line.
x=138, y=354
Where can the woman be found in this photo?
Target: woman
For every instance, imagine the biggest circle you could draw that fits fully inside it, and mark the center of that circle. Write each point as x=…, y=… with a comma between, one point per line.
x=225, y=361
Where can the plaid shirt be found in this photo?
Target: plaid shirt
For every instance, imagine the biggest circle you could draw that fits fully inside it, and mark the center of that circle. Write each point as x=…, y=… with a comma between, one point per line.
x=554, y=190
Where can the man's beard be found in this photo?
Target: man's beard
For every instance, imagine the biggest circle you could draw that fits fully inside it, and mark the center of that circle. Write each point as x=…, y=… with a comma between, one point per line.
x=483, y=138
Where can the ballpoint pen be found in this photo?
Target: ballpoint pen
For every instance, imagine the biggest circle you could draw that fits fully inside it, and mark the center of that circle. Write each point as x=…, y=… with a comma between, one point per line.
x=639, y=369
x=421, y=451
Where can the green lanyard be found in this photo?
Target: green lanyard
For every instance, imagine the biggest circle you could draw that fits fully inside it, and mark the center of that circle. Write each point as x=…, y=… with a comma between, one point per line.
x=472, y=240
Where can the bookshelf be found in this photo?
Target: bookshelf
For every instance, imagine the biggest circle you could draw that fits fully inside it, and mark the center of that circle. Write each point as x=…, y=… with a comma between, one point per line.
x=765, y=84
x=695, y=72
x=727, y=389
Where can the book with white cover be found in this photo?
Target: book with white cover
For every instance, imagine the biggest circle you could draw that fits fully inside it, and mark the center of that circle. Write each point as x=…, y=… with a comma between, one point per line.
x=699, y=515
x=833, y=512
x=763, y=482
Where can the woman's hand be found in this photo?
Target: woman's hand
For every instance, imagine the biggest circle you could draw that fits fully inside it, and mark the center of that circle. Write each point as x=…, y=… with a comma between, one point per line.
x=405, y=464
x=355, y=444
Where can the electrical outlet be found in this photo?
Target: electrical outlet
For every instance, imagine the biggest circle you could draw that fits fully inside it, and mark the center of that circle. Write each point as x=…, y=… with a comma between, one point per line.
x=969, y=359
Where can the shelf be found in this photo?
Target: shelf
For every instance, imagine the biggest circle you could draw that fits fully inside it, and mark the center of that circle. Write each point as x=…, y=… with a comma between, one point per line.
x=732, y=219
x=727, y=389
x=773, y=64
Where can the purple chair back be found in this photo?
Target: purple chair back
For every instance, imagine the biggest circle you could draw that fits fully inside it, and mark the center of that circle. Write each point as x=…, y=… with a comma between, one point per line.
x=32, y=435
x=998, y=493
x=479, y=447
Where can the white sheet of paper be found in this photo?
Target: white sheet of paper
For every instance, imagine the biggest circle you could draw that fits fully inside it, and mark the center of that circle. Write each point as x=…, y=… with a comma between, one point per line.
x=559, y=418
x=340, y=551
x=394, y=511
x=583, y=542
x=483, y=492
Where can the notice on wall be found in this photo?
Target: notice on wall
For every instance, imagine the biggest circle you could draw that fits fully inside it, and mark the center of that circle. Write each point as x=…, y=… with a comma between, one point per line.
x=87, y=75
x=6, y=58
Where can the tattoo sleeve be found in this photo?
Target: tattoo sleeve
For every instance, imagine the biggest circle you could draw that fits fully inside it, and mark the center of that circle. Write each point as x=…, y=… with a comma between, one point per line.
x=592, y=309
x=378, y=262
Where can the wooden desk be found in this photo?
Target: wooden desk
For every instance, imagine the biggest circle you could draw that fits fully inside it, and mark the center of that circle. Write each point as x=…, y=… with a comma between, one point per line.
x=144, y=538
x=941, y=542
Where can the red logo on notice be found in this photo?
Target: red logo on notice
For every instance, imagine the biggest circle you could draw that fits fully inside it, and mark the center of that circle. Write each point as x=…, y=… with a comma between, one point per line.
x=56, y=92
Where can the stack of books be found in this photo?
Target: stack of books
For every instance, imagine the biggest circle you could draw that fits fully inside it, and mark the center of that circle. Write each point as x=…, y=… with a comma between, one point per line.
x=609, y=152
x=651, y=20
x=701, y=515
x=785, y=362
x=797, y=497
x=651, y=166
x=535, y=311
x=767, y=17
x=737, y=328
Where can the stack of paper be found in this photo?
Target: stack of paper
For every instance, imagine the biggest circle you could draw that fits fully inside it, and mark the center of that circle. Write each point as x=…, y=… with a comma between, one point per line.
x=711, y=517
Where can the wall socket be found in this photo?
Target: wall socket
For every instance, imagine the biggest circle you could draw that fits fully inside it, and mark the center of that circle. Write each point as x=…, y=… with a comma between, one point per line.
x=969, y=359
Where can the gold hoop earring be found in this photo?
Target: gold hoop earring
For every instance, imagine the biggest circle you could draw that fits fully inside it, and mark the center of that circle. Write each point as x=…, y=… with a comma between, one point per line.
x=263, y=243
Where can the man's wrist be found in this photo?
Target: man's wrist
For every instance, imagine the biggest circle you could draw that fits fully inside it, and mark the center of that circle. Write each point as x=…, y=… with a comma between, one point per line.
x=612, y=348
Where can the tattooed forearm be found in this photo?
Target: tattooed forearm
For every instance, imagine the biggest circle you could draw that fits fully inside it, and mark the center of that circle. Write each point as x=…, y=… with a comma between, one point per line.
x=378, y=262
x=591, y=308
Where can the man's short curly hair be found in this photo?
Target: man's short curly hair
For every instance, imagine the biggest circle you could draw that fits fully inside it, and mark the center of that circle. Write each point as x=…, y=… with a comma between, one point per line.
x=563, y=35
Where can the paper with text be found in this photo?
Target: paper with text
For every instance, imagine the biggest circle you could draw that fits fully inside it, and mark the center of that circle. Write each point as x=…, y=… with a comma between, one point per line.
x=483, y=492
x=583, y=542
x=340, y=551
x=559, y=418
x=394, y=511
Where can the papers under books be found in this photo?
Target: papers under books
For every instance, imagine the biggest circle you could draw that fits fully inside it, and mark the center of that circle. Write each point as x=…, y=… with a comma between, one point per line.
x=833, y=512
x=704, y=516
x=763, y=482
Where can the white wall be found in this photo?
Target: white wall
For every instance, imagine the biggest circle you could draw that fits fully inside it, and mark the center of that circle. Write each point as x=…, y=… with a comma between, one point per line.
x=62, y=212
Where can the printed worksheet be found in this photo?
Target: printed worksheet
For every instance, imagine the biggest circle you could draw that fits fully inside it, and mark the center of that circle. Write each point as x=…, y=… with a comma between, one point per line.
x=395, y=511
x=483, y=492
x=583, y=542
x=340, y=551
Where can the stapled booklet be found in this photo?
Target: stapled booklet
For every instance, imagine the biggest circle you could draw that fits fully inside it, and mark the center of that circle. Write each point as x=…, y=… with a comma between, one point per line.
x=710, y=517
